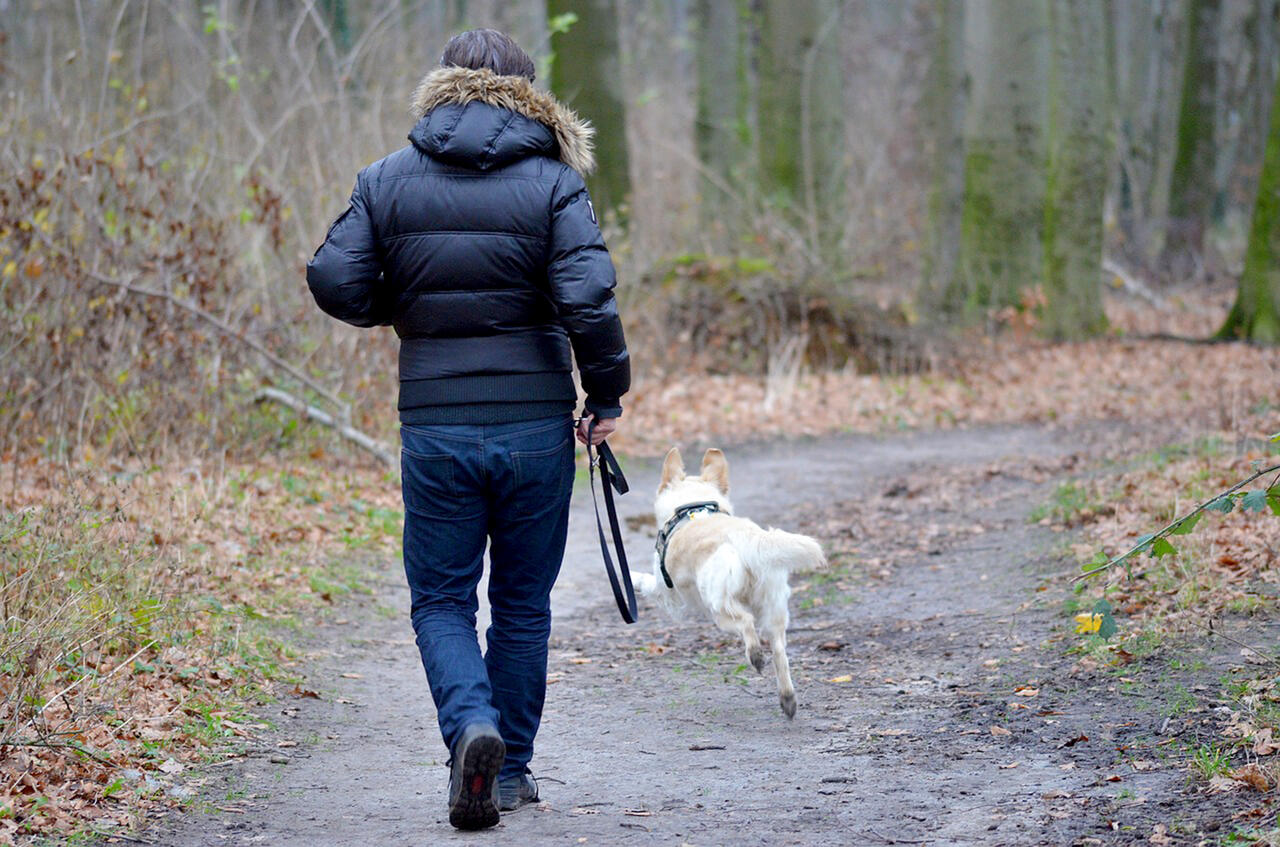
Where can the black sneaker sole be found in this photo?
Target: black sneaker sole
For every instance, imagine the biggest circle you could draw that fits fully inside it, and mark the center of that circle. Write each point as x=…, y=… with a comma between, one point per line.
x=476, y=803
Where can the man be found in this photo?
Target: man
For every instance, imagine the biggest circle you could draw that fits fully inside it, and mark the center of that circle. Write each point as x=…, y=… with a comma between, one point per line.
x=478, y=243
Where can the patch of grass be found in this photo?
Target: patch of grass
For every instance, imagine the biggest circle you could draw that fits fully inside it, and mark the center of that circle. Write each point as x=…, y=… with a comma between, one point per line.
x=1254, y=837
x=1248, y=604
x=1210, y=760
x=1069, y=504
x=1177, y=663
x=833, y=586
x=1200, y=448
x=1180, y=701
x=118, y=586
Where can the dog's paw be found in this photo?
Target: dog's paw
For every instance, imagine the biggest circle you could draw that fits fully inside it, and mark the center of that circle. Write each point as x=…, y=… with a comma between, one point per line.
x=756, y=656
x=788, y=703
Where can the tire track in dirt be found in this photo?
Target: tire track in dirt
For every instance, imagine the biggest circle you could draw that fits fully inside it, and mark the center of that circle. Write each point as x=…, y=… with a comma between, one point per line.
x=657, y=734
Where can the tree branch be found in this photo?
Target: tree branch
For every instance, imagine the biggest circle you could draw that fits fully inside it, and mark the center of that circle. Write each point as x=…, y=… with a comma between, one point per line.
x=1176, y=523
x=320, y=416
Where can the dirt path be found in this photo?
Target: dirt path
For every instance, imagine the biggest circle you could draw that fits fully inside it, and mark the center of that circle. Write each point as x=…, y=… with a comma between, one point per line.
x=904, y=663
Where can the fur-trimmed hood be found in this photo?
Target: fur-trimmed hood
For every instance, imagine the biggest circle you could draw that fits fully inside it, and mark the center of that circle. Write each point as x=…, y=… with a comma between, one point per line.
x=568, y=137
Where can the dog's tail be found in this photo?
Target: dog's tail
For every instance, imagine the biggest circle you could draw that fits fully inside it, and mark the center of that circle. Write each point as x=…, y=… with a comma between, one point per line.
x=795, y=552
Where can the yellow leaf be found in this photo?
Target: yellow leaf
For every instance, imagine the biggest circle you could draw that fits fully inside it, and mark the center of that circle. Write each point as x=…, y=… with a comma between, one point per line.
x=843, y=678
x=1088, y=622
x=10, y=270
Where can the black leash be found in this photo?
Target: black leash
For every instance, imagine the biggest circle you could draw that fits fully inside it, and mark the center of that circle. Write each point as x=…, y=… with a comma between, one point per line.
x=611, y=478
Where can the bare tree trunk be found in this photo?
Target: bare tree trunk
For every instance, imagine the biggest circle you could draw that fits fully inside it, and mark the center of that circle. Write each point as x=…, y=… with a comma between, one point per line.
x=586, y=72
x=1148, y=50
x=1000, y=258
x=943, y=119
x=1077, y=169
x=1256, y=313
x=801, y=115
x=1250, y=39
x=1192, y=189
x=722, y=123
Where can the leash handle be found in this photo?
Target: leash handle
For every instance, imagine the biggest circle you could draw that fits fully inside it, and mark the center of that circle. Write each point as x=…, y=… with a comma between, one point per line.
x=611, y=478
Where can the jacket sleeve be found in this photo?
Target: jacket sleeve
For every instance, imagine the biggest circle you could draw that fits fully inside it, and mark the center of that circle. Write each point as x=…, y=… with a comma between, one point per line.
x=345, y=274
x=582, y=278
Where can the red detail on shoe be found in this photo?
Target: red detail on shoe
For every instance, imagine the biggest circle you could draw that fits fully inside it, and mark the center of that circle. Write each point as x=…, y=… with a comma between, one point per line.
x=477, y=784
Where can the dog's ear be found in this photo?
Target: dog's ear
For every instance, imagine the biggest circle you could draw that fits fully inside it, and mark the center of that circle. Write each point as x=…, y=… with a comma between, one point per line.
x=672, y=468
x=715, y=469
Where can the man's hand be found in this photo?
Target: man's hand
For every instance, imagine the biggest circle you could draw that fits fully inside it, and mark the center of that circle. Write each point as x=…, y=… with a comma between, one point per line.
x=604, y=427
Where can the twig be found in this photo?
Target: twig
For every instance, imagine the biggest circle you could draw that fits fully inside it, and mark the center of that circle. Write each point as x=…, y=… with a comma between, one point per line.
x=1176, y=523
x=55, y=745
x=228, y=330
x=1238, y=643
x=64, y=691
x=887, y=840
x=1130, y=283
x=377, y=448
x=221, y=325
x=108, y=834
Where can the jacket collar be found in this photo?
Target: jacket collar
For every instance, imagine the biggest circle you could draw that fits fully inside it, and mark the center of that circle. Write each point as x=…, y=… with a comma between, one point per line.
x=454, y=85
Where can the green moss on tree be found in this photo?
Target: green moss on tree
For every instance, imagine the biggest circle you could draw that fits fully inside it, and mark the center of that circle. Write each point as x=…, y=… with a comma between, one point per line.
x=587, y=74
x=1256, y=313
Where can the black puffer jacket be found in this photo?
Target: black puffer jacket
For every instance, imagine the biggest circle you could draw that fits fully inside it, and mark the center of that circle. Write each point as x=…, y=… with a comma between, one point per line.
x=479, y=245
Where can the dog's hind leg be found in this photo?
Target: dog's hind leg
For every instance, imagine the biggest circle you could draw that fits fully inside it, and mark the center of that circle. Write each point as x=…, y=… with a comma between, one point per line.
x=719, y=583
x=735, y=617
x=777, y=633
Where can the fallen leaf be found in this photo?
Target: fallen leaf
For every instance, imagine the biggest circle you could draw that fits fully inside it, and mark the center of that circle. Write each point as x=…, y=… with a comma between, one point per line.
x=353, y=676
x=831, y=645
x=842, y=678
x=1009, y=766
x=1252, y=776
x=1071, y=742
x=1263, y=742
x=299, y=691
x=1223, y=783
x=637, y=813
x=580, y=660
x=1025, y=691
x=1000, y=731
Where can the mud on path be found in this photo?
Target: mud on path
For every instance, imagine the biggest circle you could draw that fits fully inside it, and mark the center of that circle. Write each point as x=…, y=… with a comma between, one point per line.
x=937, y=705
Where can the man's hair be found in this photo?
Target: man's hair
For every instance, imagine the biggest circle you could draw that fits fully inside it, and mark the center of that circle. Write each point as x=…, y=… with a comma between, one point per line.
x=487, y=48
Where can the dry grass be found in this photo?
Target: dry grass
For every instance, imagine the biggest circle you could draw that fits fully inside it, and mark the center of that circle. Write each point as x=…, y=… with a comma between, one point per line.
x=143, y=612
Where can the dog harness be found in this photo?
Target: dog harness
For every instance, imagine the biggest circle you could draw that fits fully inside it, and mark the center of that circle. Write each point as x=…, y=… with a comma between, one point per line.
x=682, y=515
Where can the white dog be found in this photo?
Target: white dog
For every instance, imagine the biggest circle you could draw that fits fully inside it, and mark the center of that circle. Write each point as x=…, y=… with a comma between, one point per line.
x=706, y=557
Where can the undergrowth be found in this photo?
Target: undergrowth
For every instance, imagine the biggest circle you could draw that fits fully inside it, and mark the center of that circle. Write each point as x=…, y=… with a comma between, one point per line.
x=144, y=611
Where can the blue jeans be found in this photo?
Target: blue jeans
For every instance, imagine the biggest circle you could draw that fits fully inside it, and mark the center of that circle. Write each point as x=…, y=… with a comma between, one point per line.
x=510, y=484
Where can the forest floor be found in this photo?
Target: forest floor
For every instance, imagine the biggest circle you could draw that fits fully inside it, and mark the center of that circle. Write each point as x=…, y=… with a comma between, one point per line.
x=944, y=697
x=214, y=649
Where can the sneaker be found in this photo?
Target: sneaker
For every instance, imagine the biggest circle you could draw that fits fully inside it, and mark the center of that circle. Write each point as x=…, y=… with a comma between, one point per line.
x=516, y=791
x=473, y=778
